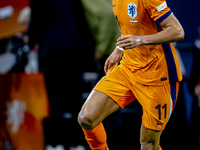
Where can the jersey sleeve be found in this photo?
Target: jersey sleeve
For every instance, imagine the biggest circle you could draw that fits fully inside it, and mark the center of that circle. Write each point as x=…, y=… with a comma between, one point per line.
x=157, y=9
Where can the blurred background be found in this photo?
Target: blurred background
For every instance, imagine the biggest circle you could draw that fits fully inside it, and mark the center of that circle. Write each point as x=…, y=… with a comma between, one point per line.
x=52, y=53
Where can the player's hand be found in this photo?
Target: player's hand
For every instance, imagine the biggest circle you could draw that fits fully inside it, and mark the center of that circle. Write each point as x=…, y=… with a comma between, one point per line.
x=113, y=59
x=128, y=41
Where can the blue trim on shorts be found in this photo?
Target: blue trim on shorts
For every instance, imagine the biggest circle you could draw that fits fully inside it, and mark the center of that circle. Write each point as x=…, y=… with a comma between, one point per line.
x=172, y=98
x=173, y=94
x=171, y=109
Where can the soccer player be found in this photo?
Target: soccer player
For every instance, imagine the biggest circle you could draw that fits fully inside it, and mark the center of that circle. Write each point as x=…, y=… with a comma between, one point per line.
x=149, y=72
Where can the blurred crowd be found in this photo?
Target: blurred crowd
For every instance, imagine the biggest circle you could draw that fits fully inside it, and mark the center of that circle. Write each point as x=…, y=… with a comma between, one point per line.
x=68, y=42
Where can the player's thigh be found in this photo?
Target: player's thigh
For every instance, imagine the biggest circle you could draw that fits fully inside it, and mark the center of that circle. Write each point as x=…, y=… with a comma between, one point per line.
x=149, y=138
x=97, y=107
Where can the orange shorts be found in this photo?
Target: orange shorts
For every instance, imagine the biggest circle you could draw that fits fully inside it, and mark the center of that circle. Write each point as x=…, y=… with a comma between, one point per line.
x=158, y=101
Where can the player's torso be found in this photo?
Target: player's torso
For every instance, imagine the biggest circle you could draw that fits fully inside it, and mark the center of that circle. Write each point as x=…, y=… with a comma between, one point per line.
x=148, y=62
x=133, y=17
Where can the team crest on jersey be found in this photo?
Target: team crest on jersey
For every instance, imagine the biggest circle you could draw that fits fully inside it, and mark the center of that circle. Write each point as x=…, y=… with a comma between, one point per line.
x=132, y=10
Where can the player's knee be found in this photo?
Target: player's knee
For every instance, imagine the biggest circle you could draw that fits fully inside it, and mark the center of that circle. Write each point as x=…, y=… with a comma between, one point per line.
x=146, y=146
x=85, y=121
x=149, y=145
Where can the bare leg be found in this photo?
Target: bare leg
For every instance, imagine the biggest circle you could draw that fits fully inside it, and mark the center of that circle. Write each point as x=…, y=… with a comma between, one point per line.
x=96, y=108
x=149, y=139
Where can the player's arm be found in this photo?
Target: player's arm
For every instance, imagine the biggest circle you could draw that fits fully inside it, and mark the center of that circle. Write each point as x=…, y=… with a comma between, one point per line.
x=173, y=32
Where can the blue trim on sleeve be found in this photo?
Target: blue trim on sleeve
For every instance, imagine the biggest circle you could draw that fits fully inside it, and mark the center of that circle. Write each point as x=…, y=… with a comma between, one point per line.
x=159, y=20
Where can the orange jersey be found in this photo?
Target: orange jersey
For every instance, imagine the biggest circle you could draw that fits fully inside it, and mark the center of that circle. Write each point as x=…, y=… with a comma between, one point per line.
x=150, y=64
